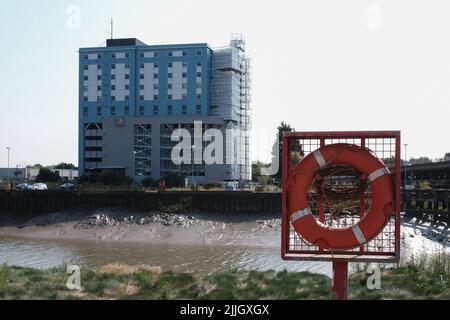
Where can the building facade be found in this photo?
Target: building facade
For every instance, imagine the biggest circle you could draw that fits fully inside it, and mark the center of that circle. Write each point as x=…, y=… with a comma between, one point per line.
x=133, y=97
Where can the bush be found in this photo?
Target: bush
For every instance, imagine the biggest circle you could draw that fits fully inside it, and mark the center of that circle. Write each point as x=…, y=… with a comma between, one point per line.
x=45, y=175
x=149, y=183
x=107, y=179
x=174, y=180
x=213, y=185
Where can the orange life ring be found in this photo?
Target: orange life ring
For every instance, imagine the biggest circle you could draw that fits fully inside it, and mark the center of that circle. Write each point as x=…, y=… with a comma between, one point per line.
x=380, y=212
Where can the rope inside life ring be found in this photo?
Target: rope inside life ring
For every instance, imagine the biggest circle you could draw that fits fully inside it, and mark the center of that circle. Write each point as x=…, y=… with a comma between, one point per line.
x=326, y=237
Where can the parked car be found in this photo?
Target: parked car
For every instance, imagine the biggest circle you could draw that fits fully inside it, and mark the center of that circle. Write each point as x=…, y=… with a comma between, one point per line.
x=38, y=187
x=67, y=187
x=23, y=187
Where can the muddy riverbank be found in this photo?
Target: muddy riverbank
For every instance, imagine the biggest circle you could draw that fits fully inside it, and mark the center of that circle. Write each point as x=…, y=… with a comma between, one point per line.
x=194, y=242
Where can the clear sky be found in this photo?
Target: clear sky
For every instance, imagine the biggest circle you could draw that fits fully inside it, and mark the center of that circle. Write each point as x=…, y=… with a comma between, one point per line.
x=318, y=65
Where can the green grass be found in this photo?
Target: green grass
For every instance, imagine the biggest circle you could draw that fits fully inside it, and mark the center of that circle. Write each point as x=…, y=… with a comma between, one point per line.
x=420, y=278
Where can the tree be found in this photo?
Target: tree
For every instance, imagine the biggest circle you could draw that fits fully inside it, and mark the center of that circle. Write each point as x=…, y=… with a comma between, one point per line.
x=45, y=175
x=447, y=156
x=296, y=149
x=65, y=166
x=256, y=170
x=421, y=160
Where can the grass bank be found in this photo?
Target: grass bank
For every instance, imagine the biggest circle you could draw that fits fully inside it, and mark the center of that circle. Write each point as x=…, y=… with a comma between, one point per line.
x=420, y=278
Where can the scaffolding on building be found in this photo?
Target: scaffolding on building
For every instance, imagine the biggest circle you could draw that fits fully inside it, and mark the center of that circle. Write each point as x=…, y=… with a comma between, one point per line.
x=231, y=99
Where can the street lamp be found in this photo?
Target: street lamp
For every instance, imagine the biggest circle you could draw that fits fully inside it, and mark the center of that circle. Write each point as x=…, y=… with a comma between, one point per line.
x=406, y=165
x=9, y=150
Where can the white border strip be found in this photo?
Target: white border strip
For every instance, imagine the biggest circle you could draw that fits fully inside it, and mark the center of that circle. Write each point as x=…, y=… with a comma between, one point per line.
x=378, y=174
x=300, y=214
x=320, y=159
x=358, y=234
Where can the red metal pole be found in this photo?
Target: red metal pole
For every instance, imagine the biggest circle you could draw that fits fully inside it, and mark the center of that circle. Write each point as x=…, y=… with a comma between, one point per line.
x=340, y=279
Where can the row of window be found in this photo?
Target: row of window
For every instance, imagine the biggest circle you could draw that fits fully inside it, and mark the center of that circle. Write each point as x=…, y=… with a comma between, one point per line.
x=142, y=76
x=113, y=110
x=99, y=77
x=142, y=87
x=142, y=98
x=142, y=65
x=142, y=54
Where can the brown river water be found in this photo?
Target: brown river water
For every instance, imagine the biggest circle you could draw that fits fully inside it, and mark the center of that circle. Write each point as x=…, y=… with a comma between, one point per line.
x=206, y=244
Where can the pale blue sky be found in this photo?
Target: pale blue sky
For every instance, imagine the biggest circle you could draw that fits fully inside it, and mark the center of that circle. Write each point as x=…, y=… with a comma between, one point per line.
x=319, y=65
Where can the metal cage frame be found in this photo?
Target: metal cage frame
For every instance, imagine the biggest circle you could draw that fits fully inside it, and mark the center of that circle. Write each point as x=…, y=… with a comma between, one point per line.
x=386, y=247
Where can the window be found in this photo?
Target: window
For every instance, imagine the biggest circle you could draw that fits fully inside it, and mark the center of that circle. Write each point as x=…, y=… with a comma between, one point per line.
x=184, y=109
x=155, y=76
x=170, y=109
x=170, y=86
x=85, y=99
x=156, y=86
x=199, y=85
x=99, y=88
x=85, y=111
x=156, y=54
x=86, y=78
x=141, y=55
x=142, y=76
x=141, y=110
x=184, y=75
x=113, y=66
x=199, y=109
x=142, y=87
x=199, y=64
x=156, y=65
x=127, y=66
x=113, y=111
x=127, y=98
x=113, y=98
x=155, y=97
x=99, y=56
x=141, y=98
x=85, y=88
x=184, y=64
x=170, y=54
x=184, y=85
x=127, y=87
x=113, y=77
x=199, y=96
x=184, y=96
x=113, y=55
x=99, y=77
x=141, y=66
x=155, y=110
x=199, y=74
x=99, y=67
x=199, y=52
x=169, y=97
x=127, y=110
x=86, y=57
x=170, y=64
x=99, y=98
x=170, y=75
x=86, y=67
x=99, y=111
x=127, y=55
x=127, y=76
x=185, y=53
x=113, y=87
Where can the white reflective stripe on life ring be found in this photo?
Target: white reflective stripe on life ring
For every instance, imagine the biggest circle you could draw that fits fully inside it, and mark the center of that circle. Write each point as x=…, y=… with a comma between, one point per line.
x=300, y=214
x=358, y=234
x=377, y=174
x=320, y=159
